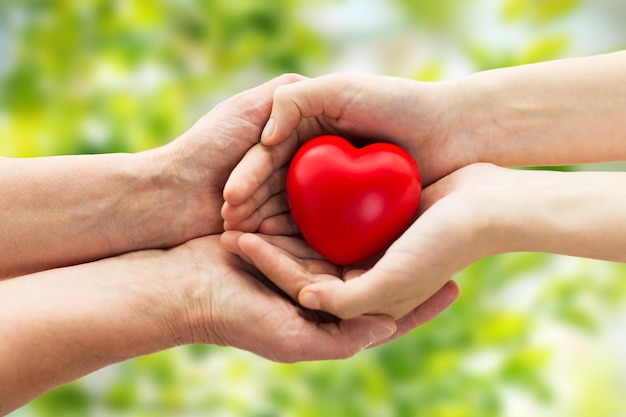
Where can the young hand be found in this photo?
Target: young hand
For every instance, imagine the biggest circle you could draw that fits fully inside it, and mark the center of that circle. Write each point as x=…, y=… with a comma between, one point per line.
x=538, y=114
x=477, y=211
x=364, y=108
x=293, y=265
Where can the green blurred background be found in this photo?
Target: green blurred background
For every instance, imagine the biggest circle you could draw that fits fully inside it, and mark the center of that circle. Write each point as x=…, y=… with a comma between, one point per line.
x=531, y=335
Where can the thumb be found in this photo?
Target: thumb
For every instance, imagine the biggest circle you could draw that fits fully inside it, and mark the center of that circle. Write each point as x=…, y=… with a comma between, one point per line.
x=345, y=299
x=294, y=102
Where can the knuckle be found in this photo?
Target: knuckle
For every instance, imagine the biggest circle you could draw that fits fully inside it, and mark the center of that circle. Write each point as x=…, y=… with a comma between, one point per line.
x=290, y=77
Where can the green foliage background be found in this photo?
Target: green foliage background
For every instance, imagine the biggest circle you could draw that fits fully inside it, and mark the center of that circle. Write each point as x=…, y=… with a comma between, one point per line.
x=531, y=334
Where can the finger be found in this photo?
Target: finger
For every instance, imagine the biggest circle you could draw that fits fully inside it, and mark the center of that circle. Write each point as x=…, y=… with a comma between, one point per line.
x=230, y=241
x=295, y=246
x=361, y=294
x=388, y=288
x=310, y=98
x=292, y=250
x=275, y=205
x=425, y=312
x=256, y=167
x=353, y=273
x=273, y=185
x=287, y=271
x=258, y=100
x=334, y=340
x=283, y=224
x=261, y=160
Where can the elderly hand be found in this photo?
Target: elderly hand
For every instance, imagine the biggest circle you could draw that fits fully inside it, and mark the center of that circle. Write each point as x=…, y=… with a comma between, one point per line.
x=61, y=324
x=63, y=210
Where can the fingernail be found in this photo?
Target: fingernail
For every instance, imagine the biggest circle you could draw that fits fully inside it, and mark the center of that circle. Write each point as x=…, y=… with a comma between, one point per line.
x=381, y=333
x=310, y=300
x=268, y=129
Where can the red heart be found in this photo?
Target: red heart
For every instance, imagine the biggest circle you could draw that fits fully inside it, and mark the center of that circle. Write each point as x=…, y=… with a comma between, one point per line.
x=351, y=203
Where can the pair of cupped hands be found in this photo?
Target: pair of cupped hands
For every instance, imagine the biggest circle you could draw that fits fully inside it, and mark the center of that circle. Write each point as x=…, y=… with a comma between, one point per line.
x=410, y=283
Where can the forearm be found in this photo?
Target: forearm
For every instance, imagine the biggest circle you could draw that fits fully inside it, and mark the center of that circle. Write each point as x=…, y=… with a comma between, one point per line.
x=552, y=113
x=58, y=325
x=58, y=211
x=579, y=214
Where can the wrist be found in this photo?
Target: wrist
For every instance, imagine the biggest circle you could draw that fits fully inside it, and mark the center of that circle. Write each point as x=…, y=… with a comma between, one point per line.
x=544, y=113
x=66, y=210
x=488, y=206
x=189, y=202
x=191, y=270
x=476, y=117
x=163, y=284
x=438, y=131
x=179, y=204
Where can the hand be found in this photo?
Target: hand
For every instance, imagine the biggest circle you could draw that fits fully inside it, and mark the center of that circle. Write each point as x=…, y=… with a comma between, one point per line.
x=538, y=114
x=202, y=158
x=66, y=210
x=408, y=113
x=231, y=304
x=477, y=211
x=450, y=233
x=294, y=265
x=64, y=323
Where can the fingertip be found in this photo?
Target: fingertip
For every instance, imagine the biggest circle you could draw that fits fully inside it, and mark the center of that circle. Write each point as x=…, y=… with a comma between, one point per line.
x=229, y=240
x=233, y=215
x=268, y=131
x=369, y=330
x=234, y=193
x=290, y=78
x=431, y=308
x=249, y=243
x=225, y=212
x=273, y=139
x=228, y=226
x=334, y=297
x=309, y=299
x=452, y=291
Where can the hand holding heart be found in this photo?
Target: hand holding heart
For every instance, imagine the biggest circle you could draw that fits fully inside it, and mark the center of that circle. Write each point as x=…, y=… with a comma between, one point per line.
x=256, y=199
x=521, y=116
x=402, y=282
x=411, y=280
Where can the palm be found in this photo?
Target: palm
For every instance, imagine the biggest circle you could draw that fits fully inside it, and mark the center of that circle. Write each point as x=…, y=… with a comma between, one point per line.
x=240, y=308
x=205, y=155
x=292, y=265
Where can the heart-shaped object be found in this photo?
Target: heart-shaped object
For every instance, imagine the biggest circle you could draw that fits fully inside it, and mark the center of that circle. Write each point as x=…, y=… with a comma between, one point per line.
x=351, y=203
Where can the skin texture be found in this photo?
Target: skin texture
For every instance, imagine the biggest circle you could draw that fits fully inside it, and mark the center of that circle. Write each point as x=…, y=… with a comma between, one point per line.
x=63, y=323
x=459, y=133
x=63, y=210
x=107, y=257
